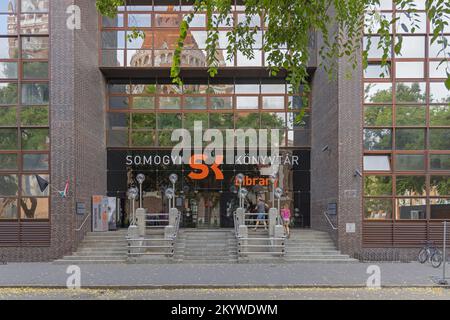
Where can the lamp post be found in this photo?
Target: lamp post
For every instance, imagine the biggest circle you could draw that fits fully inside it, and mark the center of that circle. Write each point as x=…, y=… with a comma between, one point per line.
x=132, y=194
x=240, y=179
x=272, y=179
x=278, y=194
x=140, y=179
x=169, y=195
x=173, y=178
x=242, y=194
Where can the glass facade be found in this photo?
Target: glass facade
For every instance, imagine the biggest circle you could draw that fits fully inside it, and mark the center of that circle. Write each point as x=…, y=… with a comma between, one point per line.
x=24, y=109
x=406, y=127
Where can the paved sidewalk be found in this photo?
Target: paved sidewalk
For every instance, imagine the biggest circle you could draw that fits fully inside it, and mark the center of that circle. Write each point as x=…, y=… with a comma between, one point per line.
x=220, y=275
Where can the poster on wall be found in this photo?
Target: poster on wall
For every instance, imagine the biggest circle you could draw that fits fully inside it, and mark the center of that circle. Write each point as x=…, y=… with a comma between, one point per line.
x=112, y=213
x=99, y=213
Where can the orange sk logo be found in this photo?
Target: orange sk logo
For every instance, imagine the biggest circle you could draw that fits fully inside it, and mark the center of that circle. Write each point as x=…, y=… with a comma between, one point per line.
x=202, y=170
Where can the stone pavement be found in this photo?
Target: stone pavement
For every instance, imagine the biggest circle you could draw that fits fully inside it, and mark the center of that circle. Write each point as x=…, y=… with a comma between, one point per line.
x=217, y=275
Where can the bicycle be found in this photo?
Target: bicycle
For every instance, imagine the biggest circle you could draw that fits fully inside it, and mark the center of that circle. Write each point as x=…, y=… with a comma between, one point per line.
x=430, y=253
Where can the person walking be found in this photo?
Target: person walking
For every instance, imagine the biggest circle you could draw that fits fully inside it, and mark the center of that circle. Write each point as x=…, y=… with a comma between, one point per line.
x=261, y=210
x=286, y=215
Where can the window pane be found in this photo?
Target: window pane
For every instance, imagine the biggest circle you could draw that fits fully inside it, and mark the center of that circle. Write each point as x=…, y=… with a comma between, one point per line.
x=221, y=103
x=373, y=50
x=247, y=102
x=35, y=139
x=8, y=208
x=195, y=103
x=137, y=43
x=191, y=118
x=378, y=92
x=377, y=116
x=35, y=47
x=8, y=70
x=411, y=23
x=273, y=88
x=9, y=6
x=410, y=186
x=377, y=163
x=118, y=138
x=116, y=22
x=8, y=139
x=139, y=20
x=440, y=161
x=378, y=209
x=410, y=139
x=273, y=102
x=439, y=93
x=144, y=121
x=439, y=185
x=374, y=71
x=113, y=58
x=9, y=185
x=169, y=120
x=35, y=162
x=377, y=139
x=118, y=102
x=411, y=209
x=34, y=24
x=8, y=161
x=34, y=208
x=409, y=69
x=409, y=162
x=439, y=116
x=165, y=139
x=440, y=139
x=169, y=103
x=118, y=121
x=35, y=70
x=8, y=116
x=247, y=120
x=8, y=93
x=35, y=93
x=410, y=115
x=436, y=49
x=143, y=103
x=221, y=120
x=34, y=116
x=377, y=185
x=256, y=61
x=142, y=138
x=439, y=208
x=246, y=88
x=34, y=5
x=8, y=24
x=113, y=39
x=410, y=92
x=273, y=120
x=437, y=69
x=412, y=47
x=9, y=48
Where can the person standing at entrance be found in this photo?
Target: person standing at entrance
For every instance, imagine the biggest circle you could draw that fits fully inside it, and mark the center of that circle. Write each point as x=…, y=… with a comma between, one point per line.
x=286, y=216
x=261, y=210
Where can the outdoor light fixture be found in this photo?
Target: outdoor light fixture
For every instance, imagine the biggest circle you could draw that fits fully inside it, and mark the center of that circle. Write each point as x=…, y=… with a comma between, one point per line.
x=273, y=179
x=132, y=194
x=325, y=148
x=169, y=193
x=140, y=179
x=242, y=194
x=278, y=193
x=173, y=178
x=240, y=179
x=357, y=173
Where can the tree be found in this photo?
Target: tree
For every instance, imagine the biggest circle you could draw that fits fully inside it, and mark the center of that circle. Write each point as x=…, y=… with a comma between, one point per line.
x=290, y=24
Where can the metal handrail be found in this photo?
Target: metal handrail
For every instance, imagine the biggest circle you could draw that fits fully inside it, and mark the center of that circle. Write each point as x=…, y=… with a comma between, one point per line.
x=85, y=219
x=329, y=221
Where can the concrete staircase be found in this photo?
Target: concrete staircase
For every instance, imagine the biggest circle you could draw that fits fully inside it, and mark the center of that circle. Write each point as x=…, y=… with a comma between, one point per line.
x=308, y=245
x=206, y=246
x=99, y=247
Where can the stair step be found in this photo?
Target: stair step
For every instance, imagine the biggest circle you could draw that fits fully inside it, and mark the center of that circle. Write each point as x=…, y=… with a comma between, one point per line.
x=100, y=257
x=77, y=262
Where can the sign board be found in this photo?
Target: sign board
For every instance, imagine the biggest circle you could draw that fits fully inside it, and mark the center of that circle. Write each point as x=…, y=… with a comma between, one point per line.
x=350, y=227
x=81, y=208
x=112, y=213
x=99, y=213
x=332, y=208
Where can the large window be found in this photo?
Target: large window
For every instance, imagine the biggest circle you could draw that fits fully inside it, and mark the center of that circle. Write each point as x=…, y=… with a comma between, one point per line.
x=406, y=118
x=24, y=110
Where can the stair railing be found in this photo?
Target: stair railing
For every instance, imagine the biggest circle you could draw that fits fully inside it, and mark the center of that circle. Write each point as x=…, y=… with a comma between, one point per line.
x=325, y=213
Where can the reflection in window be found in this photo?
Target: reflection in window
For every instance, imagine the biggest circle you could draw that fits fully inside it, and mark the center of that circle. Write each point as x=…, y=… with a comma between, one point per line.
x=410, y=186
x=195, y=103
x=191, y=118
x=35, y=93
x=221, y=120
x=169, y=120
x=410, y=115
x=374, y=51
x=8, y=139
x=9, y=48
x=377, y=185
x=437, y=69
x=407, y=22
x=30, y=185
x=412, y=47
x=377, y=115
x=378, y=92
x=409, y=162
x=248, y=120
x=35, y=70
x=9, y=185
x=35, y=47
x=139, y=20
x=34, y=116
x=439, y=185
x=35, y=162
x=243, y=102
x=411, y=209
x=409, y=69
x=436, y=49
x=221, y=103
x=144, y=121
x=377, y=163
x=167, y=103
x=35, y=139
x=440, y=139
x=377, y=139
x=376, y=209
x=118, y=138
x=439, y=115
x=410, y=139
x=439, y=93
x=142, y=138
x=143, y=103
x=273, y=120
x=34, y=208
x=8, y=161
x=8, y=93
x=8, y=208
x=8, y=116
x=440, y=161
x=439, y=208
x=374, y=71
x=8, y=70
x=273, y=102
x=410, y=92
